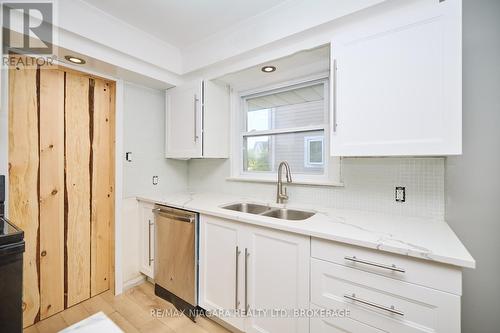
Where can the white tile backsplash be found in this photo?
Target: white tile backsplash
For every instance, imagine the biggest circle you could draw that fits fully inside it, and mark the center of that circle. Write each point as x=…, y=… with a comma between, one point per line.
x=369, y=185
x=369, y=182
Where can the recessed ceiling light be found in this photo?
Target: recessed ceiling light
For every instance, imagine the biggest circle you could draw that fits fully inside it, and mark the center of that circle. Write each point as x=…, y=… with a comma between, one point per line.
x=268, y=69
x=75, y=60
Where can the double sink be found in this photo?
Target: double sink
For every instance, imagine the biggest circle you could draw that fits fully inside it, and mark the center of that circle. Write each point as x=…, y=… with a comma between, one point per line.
x=275, y=212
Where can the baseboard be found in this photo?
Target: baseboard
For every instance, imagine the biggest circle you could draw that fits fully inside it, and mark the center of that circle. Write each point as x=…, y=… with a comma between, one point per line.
x=134, y=282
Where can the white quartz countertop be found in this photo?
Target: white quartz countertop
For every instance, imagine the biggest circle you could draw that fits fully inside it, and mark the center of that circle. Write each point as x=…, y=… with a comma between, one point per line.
x=415, y=237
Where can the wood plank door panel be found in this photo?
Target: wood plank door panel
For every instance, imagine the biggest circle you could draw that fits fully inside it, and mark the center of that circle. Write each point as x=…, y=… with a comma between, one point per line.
x=51, y=124
x=23, y=178
x=61, y=185
x=102, y=199
x=77, y=237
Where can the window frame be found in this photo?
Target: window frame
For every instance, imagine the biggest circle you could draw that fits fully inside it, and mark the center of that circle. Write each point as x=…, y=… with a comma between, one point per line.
x=331, y=174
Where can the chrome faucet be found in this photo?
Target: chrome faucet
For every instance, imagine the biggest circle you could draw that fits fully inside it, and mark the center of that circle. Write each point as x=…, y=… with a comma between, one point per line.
x=281, y=194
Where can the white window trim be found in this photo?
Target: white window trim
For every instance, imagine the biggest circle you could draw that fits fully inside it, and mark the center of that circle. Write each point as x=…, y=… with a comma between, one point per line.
x=332, y=174
x=307, y=151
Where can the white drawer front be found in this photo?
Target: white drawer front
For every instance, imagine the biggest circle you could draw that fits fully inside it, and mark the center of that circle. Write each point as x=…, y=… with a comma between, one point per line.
x=377, y=299
x=426, y=273
x=339, y=325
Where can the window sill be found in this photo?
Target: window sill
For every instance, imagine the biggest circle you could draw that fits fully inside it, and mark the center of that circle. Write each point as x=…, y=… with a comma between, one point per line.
x=273, y=181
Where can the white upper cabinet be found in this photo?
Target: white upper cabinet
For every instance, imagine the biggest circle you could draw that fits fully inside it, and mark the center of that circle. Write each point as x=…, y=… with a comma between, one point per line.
x=197, y=121
x=397, y=83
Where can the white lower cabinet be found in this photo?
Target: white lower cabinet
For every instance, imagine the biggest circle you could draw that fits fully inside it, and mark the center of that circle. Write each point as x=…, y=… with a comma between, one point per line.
x=278, y=278
x=246, y=270
x=381, y=301
x=252, y=270
x=220, y=272
x=147, y=237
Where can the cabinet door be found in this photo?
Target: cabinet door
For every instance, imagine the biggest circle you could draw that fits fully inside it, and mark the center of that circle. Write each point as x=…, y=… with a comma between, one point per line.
x=215, y=120
x=277, y=276
x=220, y=267
x=183, y=121
x=147, y=239
x=397, y=83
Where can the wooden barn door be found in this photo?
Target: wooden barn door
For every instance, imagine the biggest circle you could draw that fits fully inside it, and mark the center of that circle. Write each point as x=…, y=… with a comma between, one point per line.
x=61, y=185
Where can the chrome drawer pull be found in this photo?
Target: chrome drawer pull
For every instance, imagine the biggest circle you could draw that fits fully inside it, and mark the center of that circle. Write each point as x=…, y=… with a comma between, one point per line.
x=247, y=306
x=390, y=309
x=195, y=119
x=149, y=244
x=236, y=302
x=371, y=263
x=334, y=102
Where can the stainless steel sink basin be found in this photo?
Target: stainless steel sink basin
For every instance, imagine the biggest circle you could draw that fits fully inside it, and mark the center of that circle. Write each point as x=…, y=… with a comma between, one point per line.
x=288, y=214
x=247, y=208
x=264, y=210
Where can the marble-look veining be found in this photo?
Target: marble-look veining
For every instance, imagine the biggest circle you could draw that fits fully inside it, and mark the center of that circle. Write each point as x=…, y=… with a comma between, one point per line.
x=411, y=236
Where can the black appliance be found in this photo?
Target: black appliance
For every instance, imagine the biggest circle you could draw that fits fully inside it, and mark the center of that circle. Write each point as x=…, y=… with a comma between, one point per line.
x=11, y=271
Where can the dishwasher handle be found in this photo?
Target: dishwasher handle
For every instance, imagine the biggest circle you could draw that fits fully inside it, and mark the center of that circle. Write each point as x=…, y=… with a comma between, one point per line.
x=173, y=216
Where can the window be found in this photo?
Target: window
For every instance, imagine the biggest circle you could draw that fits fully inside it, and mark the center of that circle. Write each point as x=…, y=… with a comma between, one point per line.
x=287, y=124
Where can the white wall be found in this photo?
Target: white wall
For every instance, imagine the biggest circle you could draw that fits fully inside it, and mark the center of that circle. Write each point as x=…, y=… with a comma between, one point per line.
x=144, y=136
x=473, y=179
x=369, y=185
x=143, y=131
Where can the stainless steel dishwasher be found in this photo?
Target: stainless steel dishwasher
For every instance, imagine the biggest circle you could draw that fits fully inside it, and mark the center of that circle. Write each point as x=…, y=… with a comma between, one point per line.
x=176, y=264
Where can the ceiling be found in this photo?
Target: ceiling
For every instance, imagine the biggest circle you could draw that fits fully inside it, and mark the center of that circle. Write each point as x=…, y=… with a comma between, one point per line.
x=295, y=66
x=183, y=22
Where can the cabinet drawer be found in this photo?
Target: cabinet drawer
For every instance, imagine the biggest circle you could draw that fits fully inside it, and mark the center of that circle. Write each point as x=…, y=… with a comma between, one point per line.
x=383, y=303
x=338, y=325
x=423, y=272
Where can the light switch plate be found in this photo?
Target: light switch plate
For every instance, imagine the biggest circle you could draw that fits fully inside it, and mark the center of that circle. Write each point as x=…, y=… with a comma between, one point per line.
x=400, y=194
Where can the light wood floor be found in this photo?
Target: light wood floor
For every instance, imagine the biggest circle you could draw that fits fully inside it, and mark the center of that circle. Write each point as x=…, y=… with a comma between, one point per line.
x=131, y=311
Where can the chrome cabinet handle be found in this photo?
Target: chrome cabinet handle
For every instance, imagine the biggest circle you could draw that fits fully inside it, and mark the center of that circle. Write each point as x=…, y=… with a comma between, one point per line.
x=236, y=303
x=149, y=243
x=390, y=309
x=371, y=263
x=195, y=118
x=334, y=97
x=171, y=216
x=247, y=306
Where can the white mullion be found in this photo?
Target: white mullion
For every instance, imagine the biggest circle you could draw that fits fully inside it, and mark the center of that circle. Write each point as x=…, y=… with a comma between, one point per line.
x=321, y=127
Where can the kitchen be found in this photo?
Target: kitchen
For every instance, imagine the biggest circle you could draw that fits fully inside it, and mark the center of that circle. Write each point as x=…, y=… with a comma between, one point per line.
x=266, y=171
